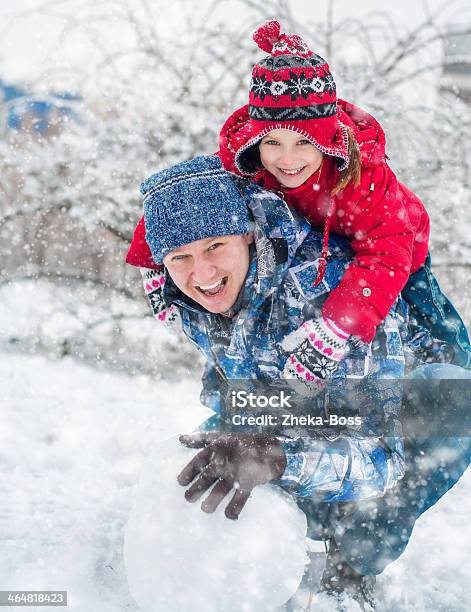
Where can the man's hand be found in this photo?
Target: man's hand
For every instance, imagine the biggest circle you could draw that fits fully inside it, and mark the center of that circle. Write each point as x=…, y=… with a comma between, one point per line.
x=242, y=461
x=314, y=353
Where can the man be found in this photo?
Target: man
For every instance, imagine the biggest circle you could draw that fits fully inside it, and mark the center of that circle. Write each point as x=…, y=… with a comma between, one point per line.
x=239, y=272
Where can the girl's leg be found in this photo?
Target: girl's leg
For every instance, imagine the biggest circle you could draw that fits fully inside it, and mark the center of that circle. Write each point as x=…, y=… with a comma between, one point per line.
x=373, y=533
x=430, y=308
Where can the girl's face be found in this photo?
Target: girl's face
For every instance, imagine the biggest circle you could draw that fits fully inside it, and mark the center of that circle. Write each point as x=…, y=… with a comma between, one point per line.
x=290, y=157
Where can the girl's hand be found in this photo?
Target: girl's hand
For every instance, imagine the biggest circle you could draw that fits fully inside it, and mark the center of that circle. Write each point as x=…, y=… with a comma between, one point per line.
x=314, y=353
x=154, y=283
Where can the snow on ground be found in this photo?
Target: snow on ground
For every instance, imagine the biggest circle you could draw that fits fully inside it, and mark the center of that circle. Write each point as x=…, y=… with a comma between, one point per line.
x=73, y=440
x=72, y=444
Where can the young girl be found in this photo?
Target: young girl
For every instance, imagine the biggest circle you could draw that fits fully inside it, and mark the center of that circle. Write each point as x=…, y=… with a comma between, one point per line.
x=326, y=158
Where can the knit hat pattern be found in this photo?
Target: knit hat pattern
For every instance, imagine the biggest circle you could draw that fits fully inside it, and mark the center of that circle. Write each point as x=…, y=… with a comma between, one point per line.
x=192, y=200
x=293, y=88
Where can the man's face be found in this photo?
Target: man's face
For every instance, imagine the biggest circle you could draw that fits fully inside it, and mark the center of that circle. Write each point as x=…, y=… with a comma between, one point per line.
x=211, y=271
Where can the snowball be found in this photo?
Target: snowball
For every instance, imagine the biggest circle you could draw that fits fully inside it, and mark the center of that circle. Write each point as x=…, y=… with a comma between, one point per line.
x=179, y=558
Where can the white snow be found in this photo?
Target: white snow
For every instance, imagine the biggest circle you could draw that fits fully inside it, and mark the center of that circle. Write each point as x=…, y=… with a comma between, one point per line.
x=73, y=441
x=72, y=444
x=180, y=559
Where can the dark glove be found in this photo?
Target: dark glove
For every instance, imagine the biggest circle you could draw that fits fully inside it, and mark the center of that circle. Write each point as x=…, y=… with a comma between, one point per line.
x=242, y=461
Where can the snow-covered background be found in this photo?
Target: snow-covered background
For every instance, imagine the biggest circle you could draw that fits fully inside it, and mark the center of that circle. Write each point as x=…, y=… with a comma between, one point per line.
x=89, y=383
x=73, y=441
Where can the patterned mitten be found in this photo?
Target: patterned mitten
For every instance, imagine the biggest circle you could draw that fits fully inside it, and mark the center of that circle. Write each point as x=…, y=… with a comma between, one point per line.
x=154, y=283
x=315, y=351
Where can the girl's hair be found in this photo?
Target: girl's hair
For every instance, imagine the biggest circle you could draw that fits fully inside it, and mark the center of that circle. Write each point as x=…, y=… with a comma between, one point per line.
x=353, y=170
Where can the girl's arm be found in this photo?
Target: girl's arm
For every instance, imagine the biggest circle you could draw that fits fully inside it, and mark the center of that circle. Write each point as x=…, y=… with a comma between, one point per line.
x=154, y=283
x=375, y=217
x=139, y=254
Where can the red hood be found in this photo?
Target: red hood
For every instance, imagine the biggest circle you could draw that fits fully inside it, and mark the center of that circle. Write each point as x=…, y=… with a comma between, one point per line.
x=368, y=133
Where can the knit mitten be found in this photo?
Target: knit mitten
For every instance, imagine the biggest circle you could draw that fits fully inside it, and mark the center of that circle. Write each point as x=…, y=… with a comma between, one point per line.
x=154, y=283
x=315, y=351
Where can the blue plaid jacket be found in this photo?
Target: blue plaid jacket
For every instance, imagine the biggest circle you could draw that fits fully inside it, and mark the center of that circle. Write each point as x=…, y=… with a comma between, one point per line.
x=277, y=298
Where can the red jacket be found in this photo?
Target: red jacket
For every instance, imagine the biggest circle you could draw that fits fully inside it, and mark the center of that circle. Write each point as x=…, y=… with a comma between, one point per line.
x=386, y=223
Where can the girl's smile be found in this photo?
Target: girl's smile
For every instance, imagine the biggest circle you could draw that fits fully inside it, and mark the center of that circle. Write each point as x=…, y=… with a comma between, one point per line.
x=289, y=156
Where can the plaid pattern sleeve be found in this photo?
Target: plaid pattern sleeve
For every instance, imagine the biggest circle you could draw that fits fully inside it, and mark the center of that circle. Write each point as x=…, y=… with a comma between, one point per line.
x=346, y=468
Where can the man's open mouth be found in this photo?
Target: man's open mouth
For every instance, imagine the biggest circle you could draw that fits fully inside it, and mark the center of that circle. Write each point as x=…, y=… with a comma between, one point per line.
x=214, y=289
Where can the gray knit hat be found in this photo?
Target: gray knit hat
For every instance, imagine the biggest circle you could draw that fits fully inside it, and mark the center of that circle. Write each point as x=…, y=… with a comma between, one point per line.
x=190, y=201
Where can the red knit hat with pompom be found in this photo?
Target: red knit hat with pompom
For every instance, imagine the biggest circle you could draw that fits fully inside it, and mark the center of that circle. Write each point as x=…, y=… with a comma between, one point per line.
x=293, y=89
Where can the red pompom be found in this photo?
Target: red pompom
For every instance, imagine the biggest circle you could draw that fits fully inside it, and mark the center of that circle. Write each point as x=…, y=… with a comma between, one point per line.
x=267, y=35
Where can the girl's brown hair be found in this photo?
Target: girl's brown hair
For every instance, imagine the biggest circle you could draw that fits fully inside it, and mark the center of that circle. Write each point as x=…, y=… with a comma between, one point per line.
x=353, y=170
